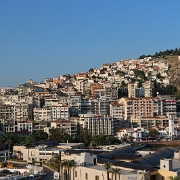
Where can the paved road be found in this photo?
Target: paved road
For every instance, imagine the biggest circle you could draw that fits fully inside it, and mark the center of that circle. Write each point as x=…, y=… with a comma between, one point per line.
x=50, y=173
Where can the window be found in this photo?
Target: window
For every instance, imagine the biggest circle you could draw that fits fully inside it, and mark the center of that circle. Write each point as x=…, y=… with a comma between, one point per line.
x=96, y=177
x=75, y=173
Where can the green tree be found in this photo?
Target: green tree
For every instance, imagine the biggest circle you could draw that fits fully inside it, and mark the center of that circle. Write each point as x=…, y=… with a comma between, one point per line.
x=85, y=137
x=119, y=72
x=94, y=77
x=9, y=143
x=56, y=134
x=20, y=140
x=2, y=140
x=70, y=164
x=107, y=166
x=158, y=75
x=139, y=73
x=115, y=171
x=98, y=140
x=142, y=56
x=61, y=169
x=156, y=54
x=64, y=164
x=149, y=74
x=66, y=138
x=40, y=135
x=123, y=84
x=174, y=178
x=133, y=80
x=111, y=140
x=91, y=70
x=153, y=132
x=55, y=161
x=29, y=139
x=104, y=69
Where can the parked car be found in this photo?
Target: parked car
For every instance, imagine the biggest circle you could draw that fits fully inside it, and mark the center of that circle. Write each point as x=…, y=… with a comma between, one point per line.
x=5, y=172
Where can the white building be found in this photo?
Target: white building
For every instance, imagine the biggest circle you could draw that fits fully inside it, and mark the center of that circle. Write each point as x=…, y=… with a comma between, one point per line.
x=117, y=110
x=97, y=124
x=137, y=133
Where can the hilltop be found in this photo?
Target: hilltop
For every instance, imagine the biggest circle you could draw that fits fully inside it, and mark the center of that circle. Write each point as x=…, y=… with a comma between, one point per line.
x=171, y=57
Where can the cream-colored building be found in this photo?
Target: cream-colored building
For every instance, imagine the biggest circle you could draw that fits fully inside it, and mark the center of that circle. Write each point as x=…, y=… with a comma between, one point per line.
x=43, y=152
x=135, y=108
x=93, y=171
x=132, y=89
x=70, y=127
x=117, y=110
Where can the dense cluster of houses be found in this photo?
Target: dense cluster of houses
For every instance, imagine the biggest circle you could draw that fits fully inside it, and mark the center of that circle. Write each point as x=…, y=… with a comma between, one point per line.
x=91, y=99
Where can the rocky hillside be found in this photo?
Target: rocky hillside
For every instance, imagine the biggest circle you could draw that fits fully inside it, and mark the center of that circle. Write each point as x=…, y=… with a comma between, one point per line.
x=174, y=71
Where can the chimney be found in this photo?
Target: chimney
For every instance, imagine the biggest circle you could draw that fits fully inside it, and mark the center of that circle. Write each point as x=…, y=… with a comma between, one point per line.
x=166, y=164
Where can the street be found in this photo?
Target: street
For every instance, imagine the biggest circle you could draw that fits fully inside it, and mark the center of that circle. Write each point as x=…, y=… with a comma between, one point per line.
x=50, y=173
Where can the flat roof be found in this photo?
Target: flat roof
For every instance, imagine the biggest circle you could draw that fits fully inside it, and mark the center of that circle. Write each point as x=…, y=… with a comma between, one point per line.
x=122, y=171
x=175, y=165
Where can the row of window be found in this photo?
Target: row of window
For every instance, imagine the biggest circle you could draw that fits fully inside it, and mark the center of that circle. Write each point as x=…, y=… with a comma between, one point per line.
x=86, y=176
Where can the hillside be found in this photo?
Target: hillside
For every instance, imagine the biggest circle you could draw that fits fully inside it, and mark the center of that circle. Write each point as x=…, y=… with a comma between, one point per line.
x=174, y=71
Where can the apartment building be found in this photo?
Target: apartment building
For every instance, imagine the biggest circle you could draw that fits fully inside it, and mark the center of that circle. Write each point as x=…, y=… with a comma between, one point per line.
x=169, y=106
x=51, y=102
x=6, y=112
x=51, y=113
x=153, y=122
x=97, y=124
x=18, y=111
x=109, y=92
x=70, y=127
x=95, y=106
x=24, y=89
x=148, y=86
x=12, y=126
x=128, y=107
x=132, y=90
x=25, y=125
x=41, y=114
x=117, y=110
x=80, y=85
x=39, y=125
x=75, y=103
x=135, y=108
x=21, y=111
x=95, y=86
x=137, y=133
x=60, y=112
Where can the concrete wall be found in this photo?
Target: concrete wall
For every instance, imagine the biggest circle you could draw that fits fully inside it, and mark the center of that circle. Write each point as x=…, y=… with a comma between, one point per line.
x=91, y=172
x=28, y=154
x=165, y=174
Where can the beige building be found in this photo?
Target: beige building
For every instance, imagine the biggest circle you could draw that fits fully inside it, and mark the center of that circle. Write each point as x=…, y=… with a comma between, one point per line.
x=43, y=152
x=87, y=169
x=70, y=127
x=154, y=122
x=148, y=86
x=135, y=108
x=132, y=90
x=117, y=110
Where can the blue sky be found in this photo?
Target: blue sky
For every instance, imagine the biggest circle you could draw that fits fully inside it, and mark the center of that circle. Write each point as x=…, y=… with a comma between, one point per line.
x=43, y=38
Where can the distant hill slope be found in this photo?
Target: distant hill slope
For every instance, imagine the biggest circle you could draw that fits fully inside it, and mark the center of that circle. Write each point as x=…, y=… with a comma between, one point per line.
x=174, y=71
